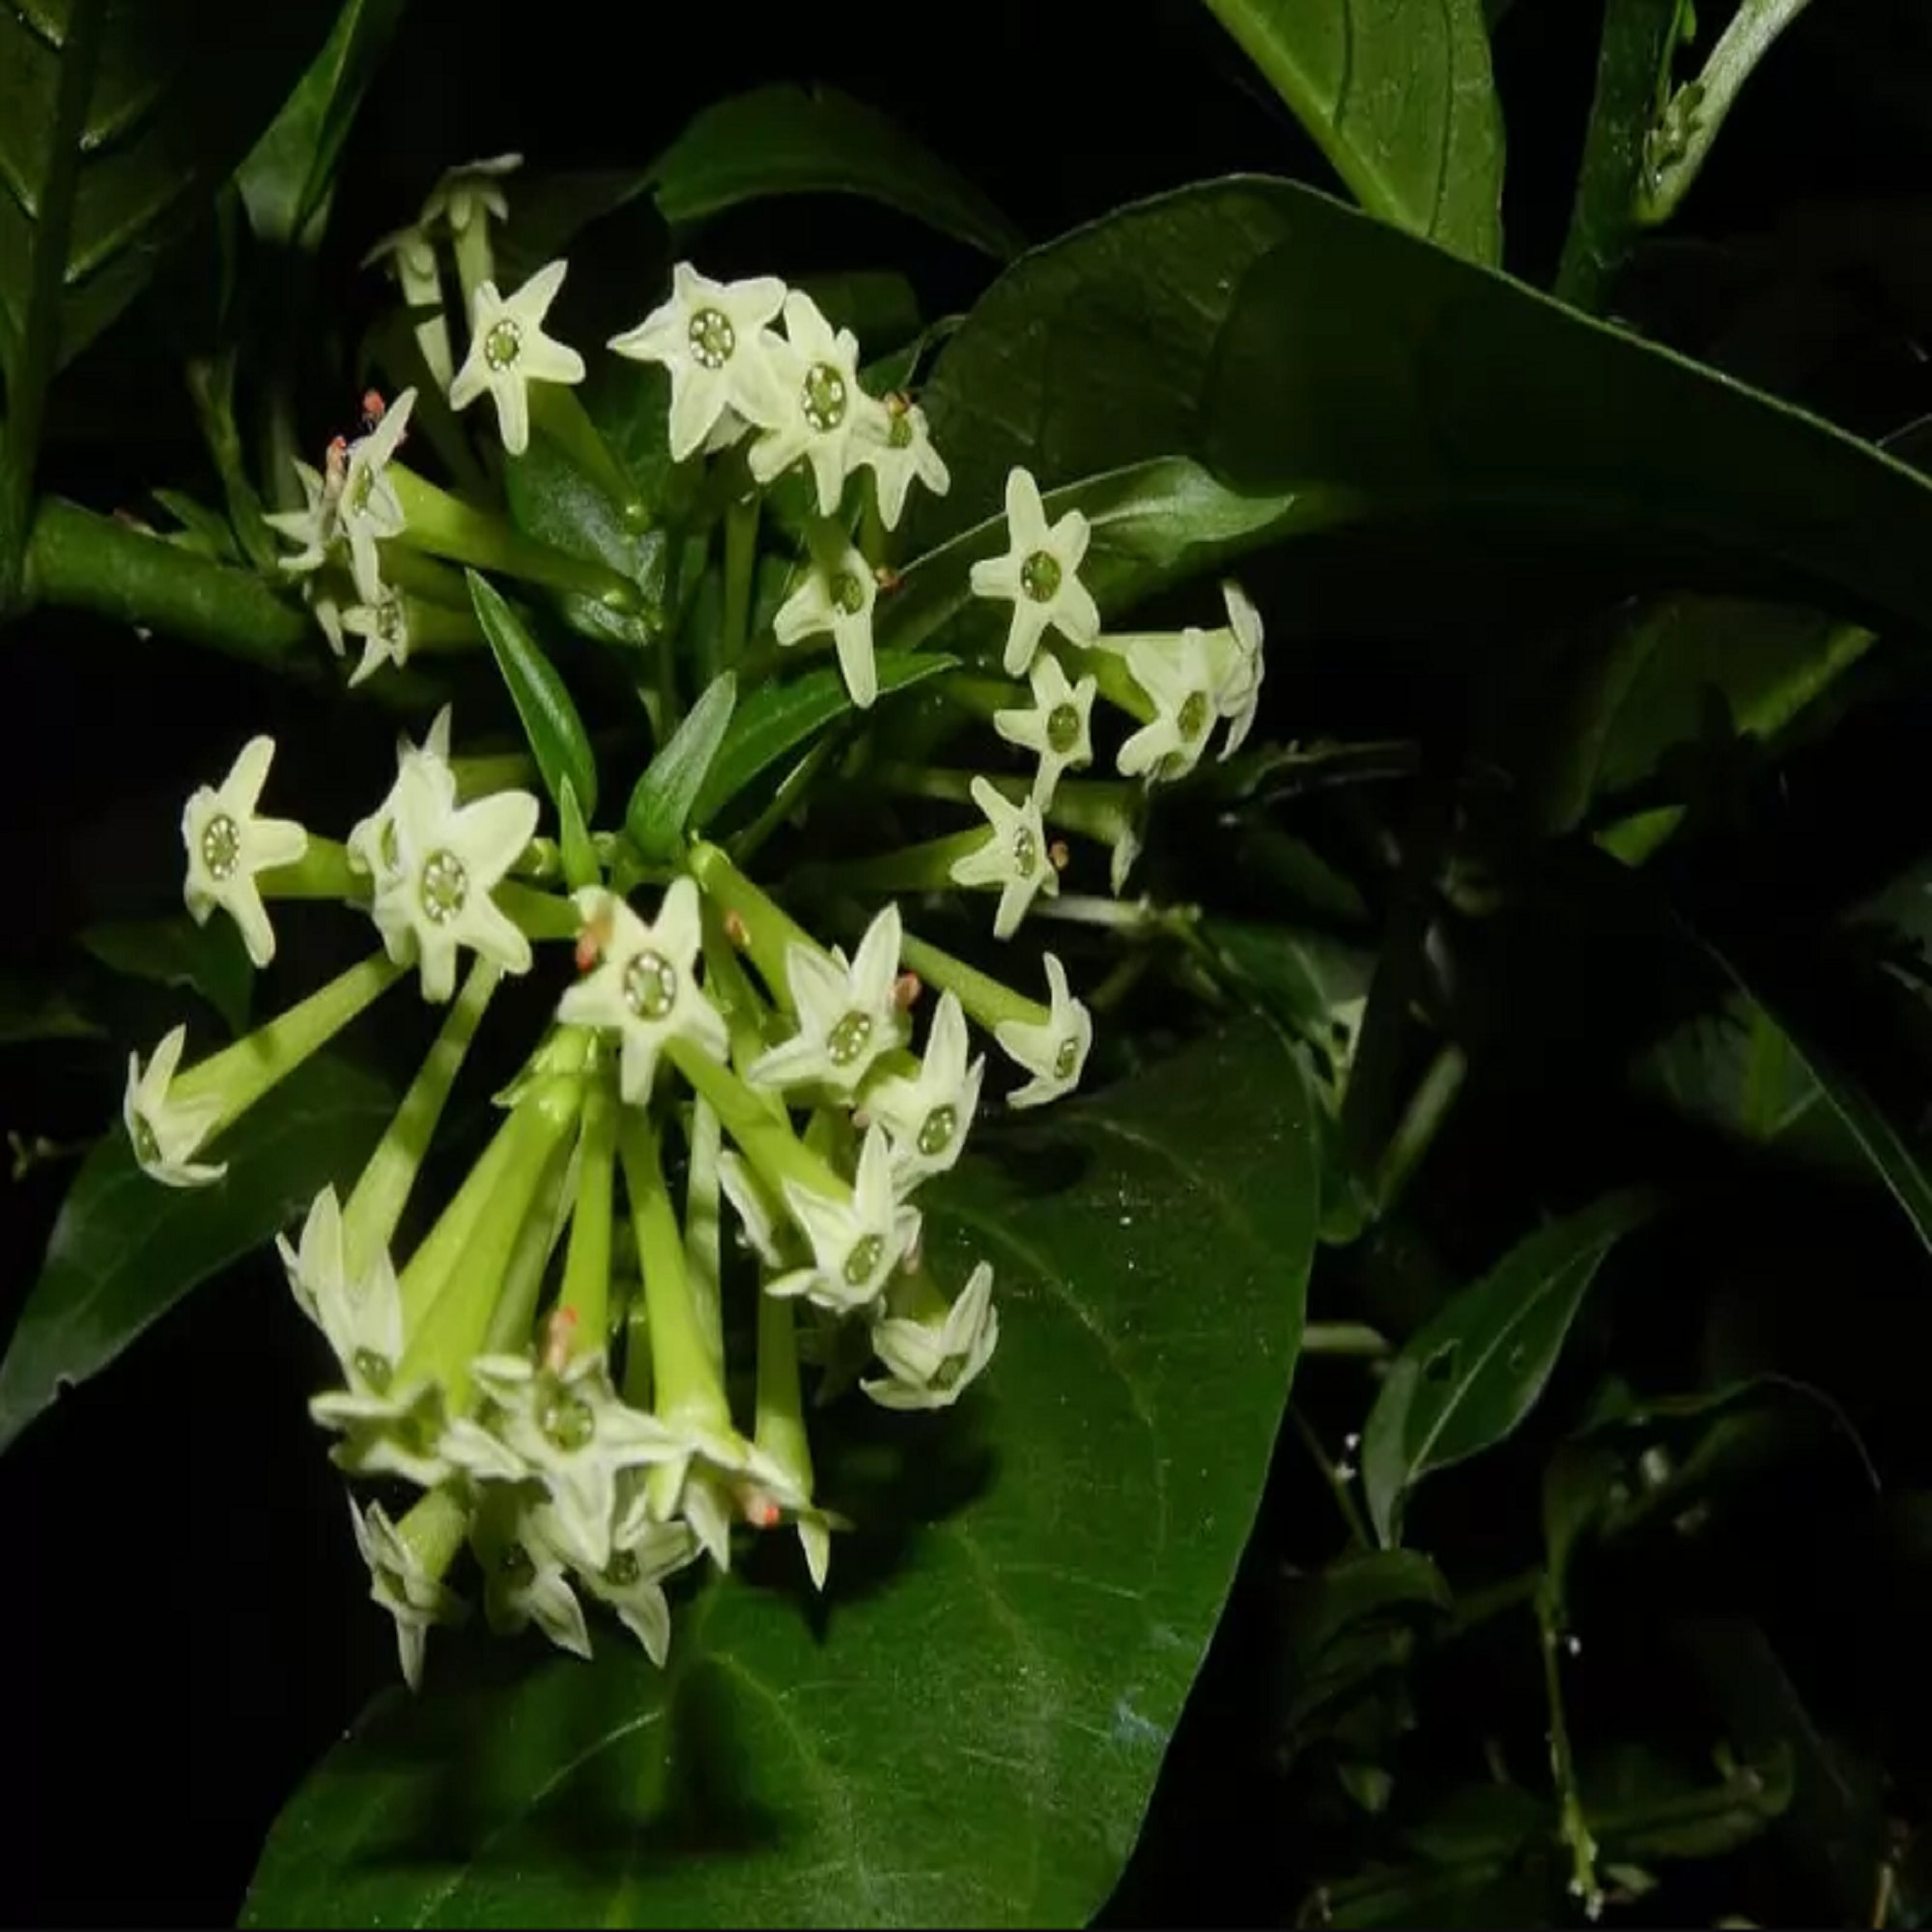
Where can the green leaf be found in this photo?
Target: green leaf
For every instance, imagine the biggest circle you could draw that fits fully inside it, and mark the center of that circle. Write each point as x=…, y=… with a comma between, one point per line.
x=578, y=854
x=30, y=1013
x=1643, y=1806
x=1415, y=389
x=1400, y=99
x=288, y=177
x=661, y=804
x=1469, y=1378
x=557, y=738
x=115, y=122
x=209, y=959
x=1638, y=38
x=1880, y=1138
x=126, y=1249
x=814, y=140
x=967, y=1733
x=1152, y=525
x=778, y=718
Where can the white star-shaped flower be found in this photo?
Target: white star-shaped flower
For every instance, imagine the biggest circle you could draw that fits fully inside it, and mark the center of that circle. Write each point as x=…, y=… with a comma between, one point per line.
x=930, y=1363
x=383, y=626
x=228, y=846
x=839, y=600
x=1058, y=727
x=823, y=408
x=372, y=841
x=704, y=1484
x=411, y=256
x=646, y=988
x=1054, y=1052
x=509, y=350
x=711, y=337
x=1014, y=857
x=314, y=527
x=368, y=510
x=435, y=899
x=167, y=1133
x=1040, y=573
x=1180, y=674
x=523, y=1580
x=643, y=1553
x=897, y=446
x=927, y=1117
x=857, y=1240
x=469, y=192
x=1238, y=696
x=401, y=1584
x=566, y=1429
x=847, y=1015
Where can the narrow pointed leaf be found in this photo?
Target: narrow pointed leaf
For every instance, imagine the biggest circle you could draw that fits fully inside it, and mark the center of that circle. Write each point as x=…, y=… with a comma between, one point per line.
x=557, y=738
x=661, y=804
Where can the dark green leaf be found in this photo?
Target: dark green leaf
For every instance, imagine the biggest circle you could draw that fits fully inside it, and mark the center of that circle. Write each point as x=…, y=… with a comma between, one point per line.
x=1154, y=525
x=1418, y=389
x=1401, y=102
x=1347, y=1625
x=878, y=305
x=557, y=738
x=778, y=718
x=969, y=1733
x=142, y=109
x=289, y=176
x=1467, y=1379
x=31, y=1013
x=661, y=806
x=205, y=531
x=126, y=1248
x=1881, y=1141
x=208, y=959
x=1638, y=38
x=579, y=856
x=798, y=140
x=1643, y=1806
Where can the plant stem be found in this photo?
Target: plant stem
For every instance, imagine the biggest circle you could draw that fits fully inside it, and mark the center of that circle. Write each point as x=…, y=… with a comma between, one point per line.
x=984, y=999
x=785, y=800
x=1574, y=1825
x=51, y=230
x=1337, y=1483
x=1345, y=1338
x=741, y=563
x=587, y=1268
x=1752, y=30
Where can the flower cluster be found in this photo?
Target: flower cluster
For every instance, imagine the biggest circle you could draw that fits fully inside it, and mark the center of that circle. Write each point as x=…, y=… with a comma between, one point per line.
x=553, y=1366
x=564, y=1408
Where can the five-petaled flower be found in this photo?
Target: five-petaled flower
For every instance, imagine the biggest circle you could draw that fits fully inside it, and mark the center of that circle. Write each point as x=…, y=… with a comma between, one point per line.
x=847, y=1013
x=930, y=1362
x=402, y=1584
x=825, y=413
x=856, y=1240
x=509, y=350
x=1014, y=857
x=368, y=510
x=1058, y=728
x=228, y=846
x=1040, y=573
x=711, y=337
x=1054, y=1051
x=167, y=1133
x=927, y=1115
x=645, y=986
x=383, y=626
x=837, y=598
x=896, y=446
x=1183, y=679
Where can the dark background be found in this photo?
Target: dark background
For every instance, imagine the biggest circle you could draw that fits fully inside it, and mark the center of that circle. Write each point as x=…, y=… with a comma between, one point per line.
x=187, y=1627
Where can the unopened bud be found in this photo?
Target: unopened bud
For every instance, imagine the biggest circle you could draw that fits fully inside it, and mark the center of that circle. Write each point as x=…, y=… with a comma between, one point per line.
x=906, y=989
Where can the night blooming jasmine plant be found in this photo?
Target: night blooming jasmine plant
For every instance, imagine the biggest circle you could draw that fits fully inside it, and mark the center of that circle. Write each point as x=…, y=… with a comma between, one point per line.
x=550, y=1365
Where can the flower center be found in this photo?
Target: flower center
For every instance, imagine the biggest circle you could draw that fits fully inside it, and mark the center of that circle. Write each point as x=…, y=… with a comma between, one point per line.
x=146, y=1146
x=445, y=886
x=1062, y=727
x=849, y=594
x=375, y=1369
x=712, y=338
x=848, y=1040
x=650, y=986
x=503, y=345
x=566, y=1421
x=1039, y=576
x=514, y=1562
x=863, y=1263
x=936, y=1131
x=1067, y=1060
x=622, y=1571
x=1026, y=851
x=389, y=619
x=220, y=845
x=823, y=397
x=1193, y=716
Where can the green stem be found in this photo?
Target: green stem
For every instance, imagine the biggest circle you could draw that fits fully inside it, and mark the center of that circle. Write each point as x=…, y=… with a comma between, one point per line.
x=515, y=1313
x=1337, y=1483
x=1345, y=1338
x=556, y=412
x=741, y=563
x=538, y=914
x=376, y=1205
x=986, y=999
x=411, y=569
x=434, y=1528
x=51, y=230
x=322, y=872
x=982, y=696
x=240, y=1075
x=1421, y=1122
x=447, y=526
x=1097, y=809
x=1575, y=1825
x=703, y=1229
x=1109, y=671
x=764, y=1137
x=780, y=1414
x=925, y=867
x=439, y=1251
x=729, y=987
x=688, y=1390
x=769, y=932
x=587, y=1269
x=1752, y=30
x=475, y=263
